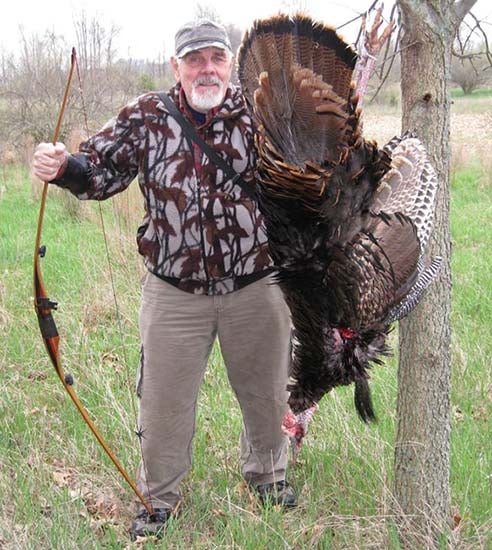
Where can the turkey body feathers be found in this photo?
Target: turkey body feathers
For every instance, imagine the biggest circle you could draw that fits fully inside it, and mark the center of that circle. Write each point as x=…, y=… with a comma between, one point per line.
x=347, y=222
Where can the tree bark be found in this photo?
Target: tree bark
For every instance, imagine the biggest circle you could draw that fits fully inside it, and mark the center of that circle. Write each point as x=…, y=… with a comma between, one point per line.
x=422, y=462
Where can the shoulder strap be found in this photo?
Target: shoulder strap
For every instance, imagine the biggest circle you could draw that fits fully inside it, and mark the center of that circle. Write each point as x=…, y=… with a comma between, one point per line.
x=191, y=134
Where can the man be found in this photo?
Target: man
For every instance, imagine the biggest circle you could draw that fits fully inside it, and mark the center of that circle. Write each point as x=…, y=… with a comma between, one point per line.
x=209, y=274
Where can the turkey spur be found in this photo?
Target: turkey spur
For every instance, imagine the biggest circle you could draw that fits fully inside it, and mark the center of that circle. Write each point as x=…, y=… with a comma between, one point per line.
x=348, y=223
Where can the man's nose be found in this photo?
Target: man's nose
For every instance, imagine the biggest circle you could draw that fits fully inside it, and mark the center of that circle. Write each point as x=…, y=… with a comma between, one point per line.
x=208, y=66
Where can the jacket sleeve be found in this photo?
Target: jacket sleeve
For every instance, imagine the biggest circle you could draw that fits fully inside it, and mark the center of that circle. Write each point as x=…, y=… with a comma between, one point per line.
x=76, y=176
x=108, y=161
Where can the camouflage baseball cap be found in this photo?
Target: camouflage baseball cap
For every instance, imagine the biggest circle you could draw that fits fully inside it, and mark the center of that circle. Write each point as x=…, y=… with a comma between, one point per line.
x=202, y=33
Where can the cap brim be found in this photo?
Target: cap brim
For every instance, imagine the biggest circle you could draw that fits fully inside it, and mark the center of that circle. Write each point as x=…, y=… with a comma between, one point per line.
x=200, y=45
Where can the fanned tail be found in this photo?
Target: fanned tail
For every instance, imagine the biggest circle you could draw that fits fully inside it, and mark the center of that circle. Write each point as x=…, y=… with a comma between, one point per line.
x=292, y=70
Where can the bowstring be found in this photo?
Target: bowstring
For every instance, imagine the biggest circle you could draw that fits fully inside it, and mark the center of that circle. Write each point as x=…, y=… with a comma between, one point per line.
x=139, y=432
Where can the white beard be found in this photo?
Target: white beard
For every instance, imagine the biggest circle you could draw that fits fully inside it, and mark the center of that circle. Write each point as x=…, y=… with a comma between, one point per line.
x=210, y=98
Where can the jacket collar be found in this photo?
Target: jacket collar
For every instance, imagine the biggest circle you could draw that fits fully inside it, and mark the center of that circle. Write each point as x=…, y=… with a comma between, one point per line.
x=233, y=105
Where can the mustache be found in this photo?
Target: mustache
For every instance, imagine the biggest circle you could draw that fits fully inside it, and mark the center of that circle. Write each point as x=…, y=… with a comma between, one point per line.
x=207, y=81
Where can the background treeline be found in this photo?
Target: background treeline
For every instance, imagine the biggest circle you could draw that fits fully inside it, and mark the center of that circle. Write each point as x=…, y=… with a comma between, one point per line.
x=32, y=80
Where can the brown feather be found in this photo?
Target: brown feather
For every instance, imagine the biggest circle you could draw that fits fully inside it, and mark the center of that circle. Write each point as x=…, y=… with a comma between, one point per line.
x=296, y=75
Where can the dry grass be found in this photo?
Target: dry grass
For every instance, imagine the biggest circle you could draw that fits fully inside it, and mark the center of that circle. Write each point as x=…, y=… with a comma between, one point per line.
x=344, y=479
x=471, y=142
x=471, y=133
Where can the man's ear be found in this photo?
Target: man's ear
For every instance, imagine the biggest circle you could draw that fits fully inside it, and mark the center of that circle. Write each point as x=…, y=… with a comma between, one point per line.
x=175, y=67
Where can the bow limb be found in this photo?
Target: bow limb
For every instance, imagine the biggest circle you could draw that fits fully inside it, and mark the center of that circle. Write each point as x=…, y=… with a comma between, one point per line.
x=44, y=306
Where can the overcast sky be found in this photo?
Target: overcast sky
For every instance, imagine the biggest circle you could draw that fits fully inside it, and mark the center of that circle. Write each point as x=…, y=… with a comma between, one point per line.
x=146, y=29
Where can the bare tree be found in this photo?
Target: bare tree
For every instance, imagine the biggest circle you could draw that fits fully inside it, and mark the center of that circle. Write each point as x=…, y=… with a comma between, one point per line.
x=102, y=79
x=472, y=56
x=470, y=68
x=422, y=459
x=207, y=11
x=31, y=87
x=292, y=6
x=32, y=83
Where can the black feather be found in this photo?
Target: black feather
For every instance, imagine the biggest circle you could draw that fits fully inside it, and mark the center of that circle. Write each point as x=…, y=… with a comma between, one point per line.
x=363, y=400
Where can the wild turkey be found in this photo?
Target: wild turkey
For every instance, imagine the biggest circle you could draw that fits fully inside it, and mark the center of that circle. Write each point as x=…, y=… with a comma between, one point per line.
x=347, y=222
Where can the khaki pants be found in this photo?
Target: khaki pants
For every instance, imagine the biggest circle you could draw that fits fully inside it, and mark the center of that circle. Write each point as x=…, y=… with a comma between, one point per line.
x=178, y=330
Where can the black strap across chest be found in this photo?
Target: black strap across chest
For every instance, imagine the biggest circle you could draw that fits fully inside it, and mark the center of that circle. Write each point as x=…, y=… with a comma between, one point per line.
x=191, y=134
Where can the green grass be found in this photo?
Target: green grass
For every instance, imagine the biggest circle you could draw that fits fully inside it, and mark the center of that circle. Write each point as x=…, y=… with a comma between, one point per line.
x=59, y=490
x=472, y=315
x=479, y=102
x=480, y=92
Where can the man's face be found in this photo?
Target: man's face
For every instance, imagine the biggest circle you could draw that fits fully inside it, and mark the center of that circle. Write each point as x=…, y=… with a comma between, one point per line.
x=204, y=75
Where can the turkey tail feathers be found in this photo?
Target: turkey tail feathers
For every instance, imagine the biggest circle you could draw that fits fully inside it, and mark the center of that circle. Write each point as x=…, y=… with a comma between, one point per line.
x=281, y=41
x=296, y=76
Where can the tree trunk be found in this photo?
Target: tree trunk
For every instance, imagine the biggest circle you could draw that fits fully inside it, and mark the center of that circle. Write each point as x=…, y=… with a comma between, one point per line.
x=422, y=444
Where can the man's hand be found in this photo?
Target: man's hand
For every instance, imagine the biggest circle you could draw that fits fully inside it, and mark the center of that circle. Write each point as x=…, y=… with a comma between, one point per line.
x=49, y=161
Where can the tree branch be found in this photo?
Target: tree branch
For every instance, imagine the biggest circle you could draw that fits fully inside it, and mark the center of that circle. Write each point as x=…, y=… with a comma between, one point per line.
x=461, y=8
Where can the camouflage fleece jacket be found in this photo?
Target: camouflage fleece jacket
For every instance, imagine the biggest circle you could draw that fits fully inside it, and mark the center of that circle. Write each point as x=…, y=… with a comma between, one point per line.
x=200, y=231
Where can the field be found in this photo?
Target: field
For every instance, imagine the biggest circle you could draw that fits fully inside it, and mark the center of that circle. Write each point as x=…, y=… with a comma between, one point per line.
x=59, y=490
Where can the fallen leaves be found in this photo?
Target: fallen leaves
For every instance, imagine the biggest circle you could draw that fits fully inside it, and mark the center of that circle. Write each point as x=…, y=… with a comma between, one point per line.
x=456, y=517
x=102, y=508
